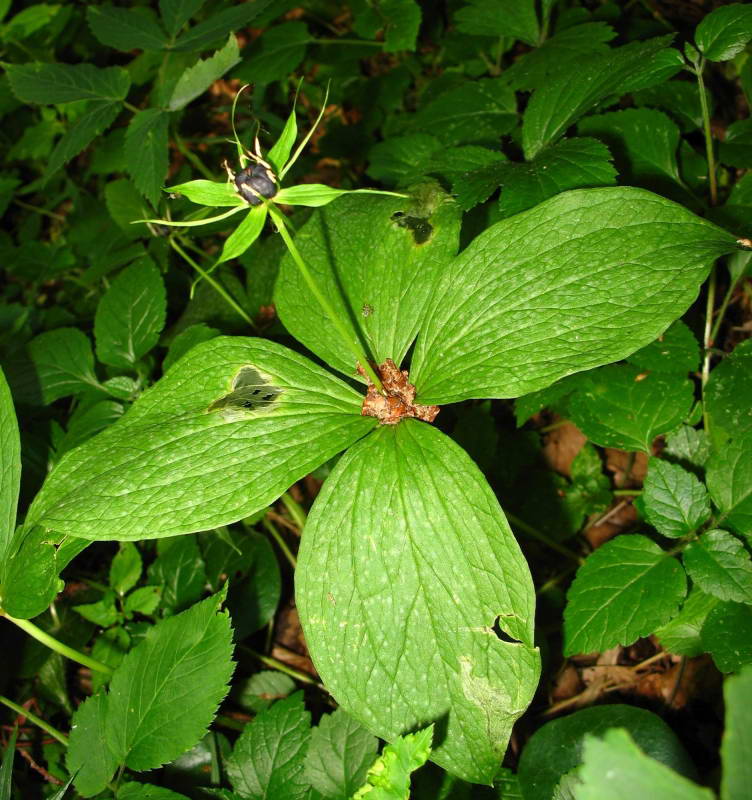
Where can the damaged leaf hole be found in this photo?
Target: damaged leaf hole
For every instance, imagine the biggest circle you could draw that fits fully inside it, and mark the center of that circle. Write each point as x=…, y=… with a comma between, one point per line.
x=501, y=634
x=420, y=227
x=251, y=391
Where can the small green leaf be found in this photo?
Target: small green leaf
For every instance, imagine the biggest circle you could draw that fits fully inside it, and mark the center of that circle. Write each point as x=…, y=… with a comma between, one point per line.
x=65, y=83
x=10, y=469
x=86, y=421
x=144, y=600
x=103, y=613
x=125, y=205
x=676, y=350
x=198, y=78
x=340, y=753
x=724, y=33
x=515, y=19
x=676, y=503
x=737, y=736
x=279, y=154
x=253, y=600
x=727, y=635
x=276, y=54
x=729, y=478
x=688, y=447
x=681, y=635
x=175, y=13
x=401, y=159
x=397, y=20
x=126, y=29
x=145, y=791
x=720, y=565
x=728, y=394
x=131, y=315
x=625, y=589
x=257, y=693
x=308, y=194
x=179, y=571
x=208, y=193
x=615, y=768
x=245, y=234
x=186, y=340
x=88, y=756
x=736, y=148
x=125, y=569
x=268, y=760
x=146, y=152
x=218, y=25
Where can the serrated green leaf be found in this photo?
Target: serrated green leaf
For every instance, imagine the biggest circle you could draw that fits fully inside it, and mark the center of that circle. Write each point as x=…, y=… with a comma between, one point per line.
x=727, y=635
x=393, y=636
x=729, y=480
x=724, y=32
x=144, y=600
x=130, y=316
x=126, y=28
x=175, y=13
x=680, y=99
x=146, y=152
x=397, y=21
x=10, y=468
x=400, y=159
x=688, y=447
x=615, y=768
x=676, y=350
x=720, y=565
x=180, y=573
x=268, y=759
x=339, y=755
x=676, y=503
x=275, y=54
x=728, y=393
x=500, y=323
x=198, y=78
x=257, y=693
x=200, y=449
x=64, y=83
x=125, y=569
x=209, y=193
x=376, y=259
x=737, y=736
x=572, y=93
x=245, y=234
x=681, y=635
x=88, y=756
x=736, y=148
x=145, y=791
x=103, y=613
x=219, y=25
x=516, y=19
x=625, y=589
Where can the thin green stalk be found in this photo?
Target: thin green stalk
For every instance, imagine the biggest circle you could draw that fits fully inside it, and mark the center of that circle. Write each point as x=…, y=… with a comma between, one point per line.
x=277, y=536
x=131, y=107
x=38, y=721
x=192, y=157
x=352, y=344
x=708, y=343
x=272, y=663
x=226, y=296
x=708, y=134
x=722, y=311
x=542, y=537
x=37, y=210
x=346, y=41
x=295, y=510
x=58, y=647
x=626, y=492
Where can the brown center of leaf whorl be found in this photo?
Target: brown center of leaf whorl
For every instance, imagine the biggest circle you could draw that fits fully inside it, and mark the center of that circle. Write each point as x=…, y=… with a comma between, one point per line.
x=398, y=399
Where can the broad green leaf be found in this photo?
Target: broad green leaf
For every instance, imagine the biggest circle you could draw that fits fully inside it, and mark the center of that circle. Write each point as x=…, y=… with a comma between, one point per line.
x=275, y=54
x=676, y=350
x=401, y=159
x=727, y=635
x=145, y=791
x=389, y=777
x=245, y=234
x=688, y=447
x=216, y=28
x=130, y=316
x=398, y=20
x=175, y=13
x=680, y=99
x=279, y=154
x=146, y=152
x=6, y=769
x=737, y=736
x=724, y=33
x=64, y=83
x=728, y=394
x=125, y=205
x=89, y=756
x=736, y=148
x=516, y=19
x=10, y=468
x=231, y=426
x=615, y=768
x=198, y=78
x=729, y=479
x=268, y=760
x=180, y=573
x=208, y=193
x=625, y=589
x=583, y=279
x=572, y=93
x=556, y=748
x=80, y=135
x=340, y=753
x=126, y=29
x=186, y=340
x=676, y=503
x=399, y=616
x=720, y=565
x=681, y=635
x=125, y=569
x=376, y=259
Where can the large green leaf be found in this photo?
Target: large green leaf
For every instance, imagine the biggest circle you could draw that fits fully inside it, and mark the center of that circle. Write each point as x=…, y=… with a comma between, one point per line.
x=729, y=477
x=10, y=468
x=406, y=565
x=219, y=24
x=376, y=258
x=583, y=279
x=727, y=635
x=175, y=13
x=197, y=79
x=725, y=32
x=737, y=736
x=681, y=635
x=720, y=565
x=676, y=503
x=64, y=83
x=126, y=29
x=146, y=152
x=516, y=19
x=222, y=435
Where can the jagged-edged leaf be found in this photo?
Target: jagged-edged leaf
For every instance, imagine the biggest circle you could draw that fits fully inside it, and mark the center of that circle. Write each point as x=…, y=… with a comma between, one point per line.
x=146, y=152
x=625, y=589
x=197, y=79
x=275, y=54
x=88, y=755
x=720, y=565
x=10, y=468
x=676, y=503
x=736, y=148
x=131, y=314
x=724, y=33
x=676, y=350
x=737, y=736
x=231, y=426
x=728, y=394
x=729, y=479
x=401, y=159
x=268, y=760
x=727, y=635
x=681, y=635
x=516, y=19
x=397, y=20
x=125, y=568
x=179, y=572
x=126, y=28
x=175, y=13
x=583, y=279
x=146, y=791
x=219, y=24
x=64, y=83
x=680, y=99
x=399, y=613
x=376, y=259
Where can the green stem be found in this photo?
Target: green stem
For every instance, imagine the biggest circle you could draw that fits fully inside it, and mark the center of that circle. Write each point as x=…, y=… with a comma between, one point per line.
x=58, y=647
x=295, y=510
x=37, y=210
x=708, y=134
x=346, y=41
x=708, y=342
x=38, y=721
x=272, y=663
x=352, y=345
x=131, y=107
x=277, y=536
x=229, y=722
x=542, y=537
x=722, y=311
x=192, y=157
x=626, y=492
x=226, y=296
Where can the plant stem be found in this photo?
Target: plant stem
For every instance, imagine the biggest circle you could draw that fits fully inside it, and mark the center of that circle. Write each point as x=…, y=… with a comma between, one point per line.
x=37, y=210
x=192, y=157
x=626, y=492
x=542, y=537
x=226, y=296
x=708, y=134
x=272, y=663
x=58, y=647
x=131, y=107
x=346, y=41
x=707, y=343
x=352, y=345
x=38, y=721
x=295, y=510
x=722, y=311
x=277, y=536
